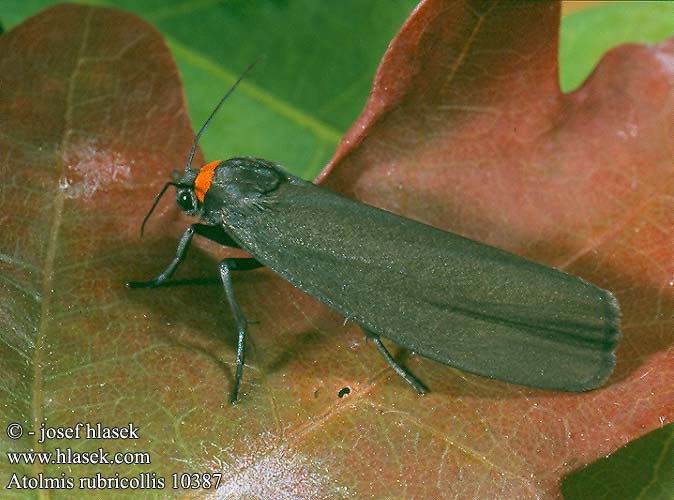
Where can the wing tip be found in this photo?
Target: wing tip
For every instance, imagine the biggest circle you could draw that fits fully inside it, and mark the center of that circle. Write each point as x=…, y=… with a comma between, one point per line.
x=612, y=337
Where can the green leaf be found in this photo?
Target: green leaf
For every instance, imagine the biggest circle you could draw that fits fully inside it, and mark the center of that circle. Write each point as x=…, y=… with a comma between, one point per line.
x=642, y=469
x=587, y=34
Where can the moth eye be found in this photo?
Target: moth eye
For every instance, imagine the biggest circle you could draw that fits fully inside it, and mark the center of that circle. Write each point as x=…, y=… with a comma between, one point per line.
x=185, y=202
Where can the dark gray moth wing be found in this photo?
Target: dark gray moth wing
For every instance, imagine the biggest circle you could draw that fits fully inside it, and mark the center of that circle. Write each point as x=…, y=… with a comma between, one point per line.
x=454, y=300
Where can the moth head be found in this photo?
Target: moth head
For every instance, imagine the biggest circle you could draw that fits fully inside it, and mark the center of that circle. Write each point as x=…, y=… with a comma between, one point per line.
x=186, y=196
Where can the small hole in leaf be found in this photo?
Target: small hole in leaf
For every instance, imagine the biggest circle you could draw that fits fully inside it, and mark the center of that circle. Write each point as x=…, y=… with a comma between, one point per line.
x=345, y=391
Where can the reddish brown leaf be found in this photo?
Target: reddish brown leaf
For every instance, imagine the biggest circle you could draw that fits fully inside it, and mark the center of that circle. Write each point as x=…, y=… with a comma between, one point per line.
x=466, y=129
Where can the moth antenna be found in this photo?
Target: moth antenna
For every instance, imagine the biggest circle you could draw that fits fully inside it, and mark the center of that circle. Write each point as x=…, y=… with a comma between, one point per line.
x=188, y=165
x=154, y=205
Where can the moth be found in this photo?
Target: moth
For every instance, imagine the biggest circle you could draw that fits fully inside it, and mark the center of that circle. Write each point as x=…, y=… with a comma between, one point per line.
x=451, y=299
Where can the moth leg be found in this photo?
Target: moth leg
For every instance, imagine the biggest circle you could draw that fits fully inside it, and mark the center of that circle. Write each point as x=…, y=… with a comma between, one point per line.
x=226, y=268
x=409, y=378
x=215, y=233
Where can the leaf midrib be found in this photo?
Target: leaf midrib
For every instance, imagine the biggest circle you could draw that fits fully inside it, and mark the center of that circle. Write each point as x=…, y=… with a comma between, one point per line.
x=37, y=401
